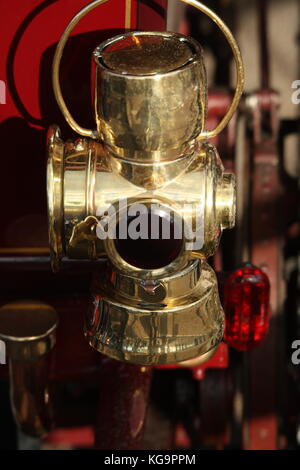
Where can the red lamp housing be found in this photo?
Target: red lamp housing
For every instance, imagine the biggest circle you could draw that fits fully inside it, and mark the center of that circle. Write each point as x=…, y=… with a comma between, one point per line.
x=247, y=307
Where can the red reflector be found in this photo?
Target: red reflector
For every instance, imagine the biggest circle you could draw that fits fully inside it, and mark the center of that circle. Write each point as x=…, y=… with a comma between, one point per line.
x=246, y=305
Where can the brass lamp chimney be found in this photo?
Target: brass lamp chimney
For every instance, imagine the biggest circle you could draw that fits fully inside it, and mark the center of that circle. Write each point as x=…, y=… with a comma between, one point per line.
x=148, y=163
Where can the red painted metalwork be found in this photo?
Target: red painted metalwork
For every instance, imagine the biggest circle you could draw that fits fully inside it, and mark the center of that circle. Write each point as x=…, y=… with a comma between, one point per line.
x=152, y=14
x=264, y=365
x=266, y=253
x=70, y=438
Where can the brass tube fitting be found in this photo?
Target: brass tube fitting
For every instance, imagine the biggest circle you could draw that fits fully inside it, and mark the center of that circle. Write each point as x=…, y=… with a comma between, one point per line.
x=84, y=181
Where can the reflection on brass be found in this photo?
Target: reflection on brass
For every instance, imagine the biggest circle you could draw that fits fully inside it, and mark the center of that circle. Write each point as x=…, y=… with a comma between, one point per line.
x=152, y=291
x=150, y=147
x=85, y=231
x=28, y=330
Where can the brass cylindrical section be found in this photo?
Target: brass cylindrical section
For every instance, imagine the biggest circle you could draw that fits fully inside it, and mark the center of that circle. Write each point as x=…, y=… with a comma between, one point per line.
x=28, y=330
x=226, y=201
x=150, y=95
x=30, y=396
x=89, y=182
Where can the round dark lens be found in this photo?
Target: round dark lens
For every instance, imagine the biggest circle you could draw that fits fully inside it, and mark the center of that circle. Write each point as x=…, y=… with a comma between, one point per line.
x=149, y=252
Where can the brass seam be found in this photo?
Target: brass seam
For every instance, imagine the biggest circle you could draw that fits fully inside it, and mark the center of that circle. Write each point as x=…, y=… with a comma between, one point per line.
x=127, y=14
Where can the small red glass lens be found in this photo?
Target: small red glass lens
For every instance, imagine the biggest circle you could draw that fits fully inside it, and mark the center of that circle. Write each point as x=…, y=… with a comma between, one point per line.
x=246, y=305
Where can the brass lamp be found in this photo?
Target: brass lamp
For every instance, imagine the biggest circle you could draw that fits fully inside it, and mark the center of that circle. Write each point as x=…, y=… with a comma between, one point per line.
x=148, y=163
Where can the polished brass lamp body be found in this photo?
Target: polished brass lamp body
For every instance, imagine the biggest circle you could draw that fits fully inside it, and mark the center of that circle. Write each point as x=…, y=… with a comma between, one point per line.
x=157, y=300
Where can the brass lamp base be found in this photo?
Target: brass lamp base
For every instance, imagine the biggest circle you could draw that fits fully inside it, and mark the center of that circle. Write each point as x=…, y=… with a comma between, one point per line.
x=156, y=322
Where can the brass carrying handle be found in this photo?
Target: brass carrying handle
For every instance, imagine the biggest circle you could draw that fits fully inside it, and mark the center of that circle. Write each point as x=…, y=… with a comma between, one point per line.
x=204, y=9
x=56, y=66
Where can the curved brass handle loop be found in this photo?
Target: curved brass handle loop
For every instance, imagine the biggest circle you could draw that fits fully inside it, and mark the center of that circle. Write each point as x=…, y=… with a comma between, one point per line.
x=56, y=66
x=239, y=68
x=204, y=9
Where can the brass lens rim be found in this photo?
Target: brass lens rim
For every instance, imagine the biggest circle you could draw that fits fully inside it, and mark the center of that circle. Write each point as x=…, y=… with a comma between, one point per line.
x=55, y=177
x=179, y=263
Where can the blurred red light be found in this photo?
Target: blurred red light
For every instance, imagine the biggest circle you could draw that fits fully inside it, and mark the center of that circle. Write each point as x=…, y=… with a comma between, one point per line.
x=246, y=305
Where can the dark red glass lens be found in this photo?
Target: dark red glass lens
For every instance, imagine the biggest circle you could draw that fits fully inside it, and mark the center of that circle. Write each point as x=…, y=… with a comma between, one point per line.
x=246, y=305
